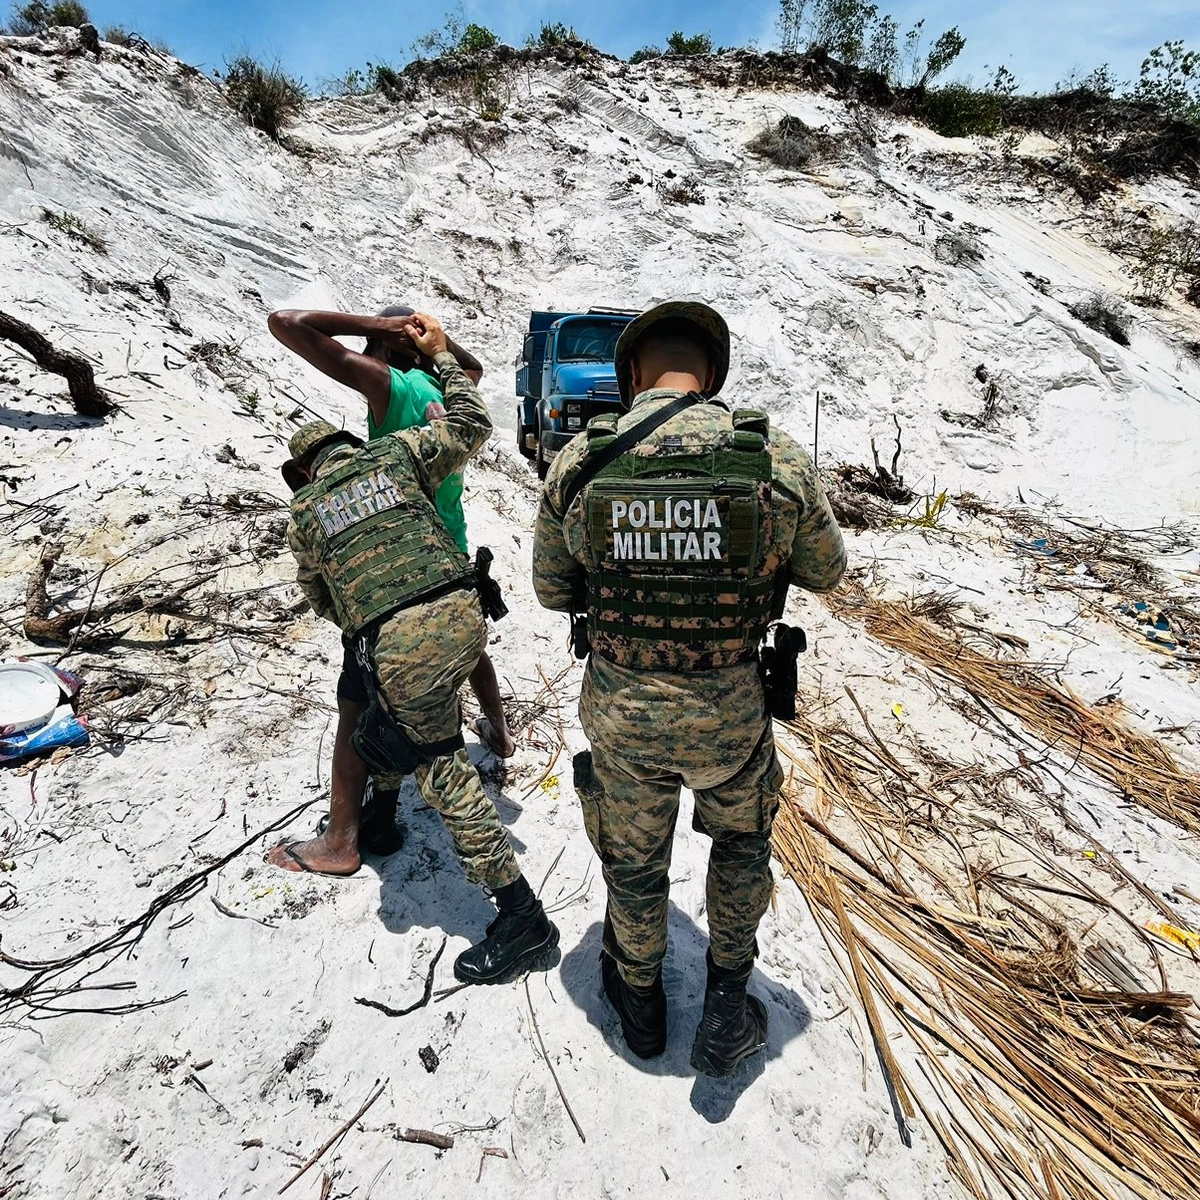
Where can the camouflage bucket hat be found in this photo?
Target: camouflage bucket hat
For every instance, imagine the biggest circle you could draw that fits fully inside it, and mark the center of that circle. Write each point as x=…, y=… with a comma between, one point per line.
x=707, y=320
x=305, y=442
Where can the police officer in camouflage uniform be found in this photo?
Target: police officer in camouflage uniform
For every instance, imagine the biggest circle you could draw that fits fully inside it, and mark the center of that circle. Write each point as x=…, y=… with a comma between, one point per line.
x=374, y=557
x=680, y=544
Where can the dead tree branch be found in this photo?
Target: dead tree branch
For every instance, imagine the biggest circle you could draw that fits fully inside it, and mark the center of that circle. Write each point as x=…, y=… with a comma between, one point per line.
x=88, y=399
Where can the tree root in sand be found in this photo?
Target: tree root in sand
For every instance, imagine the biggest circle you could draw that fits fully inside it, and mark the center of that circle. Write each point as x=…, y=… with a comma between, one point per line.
x=88, y=399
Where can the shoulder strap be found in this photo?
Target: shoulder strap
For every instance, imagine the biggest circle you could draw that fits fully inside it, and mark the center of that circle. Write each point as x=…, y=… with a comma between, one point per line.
x=595, y=463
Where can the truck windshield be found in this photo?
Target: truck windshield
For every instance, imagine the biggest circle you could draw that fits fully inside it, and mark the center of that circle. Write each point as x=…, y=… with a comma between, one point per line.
x=589, y=341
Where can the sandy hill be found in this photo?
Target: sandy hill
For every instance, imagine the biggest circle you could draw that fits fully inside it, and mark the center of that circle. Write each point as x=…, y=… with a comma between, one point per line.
x=917, y=284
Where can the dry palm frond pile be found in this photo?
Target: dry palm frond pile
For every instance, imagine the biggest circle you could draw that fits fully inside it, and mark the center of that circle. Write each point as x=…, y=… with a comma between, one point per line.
x=999, y=1005
x=1139, y=766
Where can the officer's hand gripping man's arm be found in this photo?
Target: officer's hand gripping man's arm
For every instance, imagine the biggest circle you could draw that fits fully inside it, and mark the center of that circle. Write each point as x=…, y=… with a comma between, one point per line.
x=308, y=576
x=444, y=447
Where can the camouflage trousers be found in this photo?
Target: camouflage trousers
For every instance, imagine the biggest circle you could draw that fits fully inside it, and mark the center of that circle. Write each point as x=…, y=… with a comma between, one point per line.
x=630, y=815
x=423, y=655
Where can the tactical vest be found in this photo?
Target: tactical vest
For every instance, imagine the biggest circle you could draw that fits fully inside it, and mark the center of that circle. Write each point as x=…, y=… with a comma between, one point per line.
x=382, y=547
x=678, y=545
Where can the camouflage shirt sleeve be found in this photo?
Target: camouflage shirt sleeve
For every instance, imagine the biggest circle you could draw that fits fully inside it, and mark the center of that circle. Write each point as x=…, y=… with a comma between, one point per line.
x=556, y=571
x=818, y=558
x=443, y=447
x=309, y=577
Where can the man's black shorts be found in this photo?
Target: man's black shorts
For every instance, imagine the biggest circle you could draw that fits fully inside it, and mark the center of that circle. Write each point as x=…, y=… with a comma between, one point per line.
x=350, y=682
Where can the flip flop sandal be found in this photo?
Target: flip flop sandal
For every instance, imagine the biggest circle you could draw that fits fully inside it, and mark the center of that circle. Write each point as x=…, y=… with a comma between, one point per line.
x=481, y=727
x=290, y=851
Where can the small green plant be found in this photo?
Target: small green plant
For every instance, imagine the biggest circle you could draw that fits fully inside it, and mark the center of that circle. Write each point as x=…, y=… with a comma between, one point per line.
x=250, y=401
x=679, y=46
x=263, y=96
x=353, y=83
x=75, y=228
x=645, y=54
x=931, y=517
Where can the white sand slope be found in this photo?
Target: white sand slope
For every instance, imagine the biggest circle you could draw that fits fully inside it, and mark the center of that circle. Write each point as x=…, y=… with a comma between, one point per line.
x=830, y=281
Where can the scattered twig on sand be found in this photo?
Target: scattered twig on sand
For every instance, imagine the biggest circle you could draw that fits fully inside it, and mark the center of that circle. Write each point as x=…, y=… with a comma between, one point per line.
x=489, y=1152
x=341, y=1133
x=88, y=399
x=426, y=1137
x=546, y=1058
x=42, y=986
x=387, y=1010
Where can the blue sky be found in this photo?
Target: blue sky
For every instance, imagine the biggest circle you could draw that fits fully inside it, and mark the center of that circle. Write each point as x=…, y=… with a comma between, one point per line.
x=1041, y=41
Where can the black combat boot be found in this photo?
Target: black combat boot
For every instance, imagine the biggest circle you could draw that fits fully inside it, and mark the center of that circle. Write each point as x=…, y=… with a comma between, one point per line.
x=520, y=935
x=734, y=1024
x=378, y=832
x=643, y=1010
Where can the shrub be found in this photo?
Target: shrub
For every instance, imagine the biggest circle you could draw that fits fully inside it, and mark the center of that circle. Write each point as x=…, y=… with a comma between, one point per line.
x=957, y=250
x=75, y=228
x=386, y=79
x=38, y=16
x=958, y=110
x=685, y=190
x=684, y=47
x=477, y=38
x=1105, y=314
x=794, y=145
x=645, y=54
x=1170, y=80
x=1164, y=257
x=549, y=37
x=264, y=97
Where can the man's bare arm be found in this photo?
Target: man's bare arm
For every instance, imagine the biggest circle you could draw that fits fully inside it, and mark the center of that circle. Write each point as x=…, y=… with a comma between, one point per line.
x=313, y=336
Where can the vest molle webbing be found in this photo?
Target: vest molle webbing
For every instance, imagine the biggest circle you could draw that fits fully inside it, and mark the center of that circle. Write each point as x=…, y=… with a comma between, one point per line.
x=677, y=546
x=382, y=545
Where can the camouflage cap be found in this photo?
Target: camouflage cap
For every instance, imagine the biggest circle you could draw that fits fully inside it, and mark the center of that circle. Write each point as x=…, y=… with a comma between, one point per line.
x=707, y=320
x=305, y=442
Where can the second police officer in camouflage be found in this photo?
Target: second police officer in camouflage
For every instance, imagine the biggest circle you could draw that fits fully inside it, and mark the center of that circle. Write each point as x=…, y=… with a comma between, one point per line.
x=680, y=543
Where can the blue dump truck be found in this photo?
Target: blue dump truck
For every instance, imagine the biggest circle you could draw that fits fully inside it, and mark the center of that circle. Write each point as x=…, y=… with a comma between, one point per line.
x=565, y=378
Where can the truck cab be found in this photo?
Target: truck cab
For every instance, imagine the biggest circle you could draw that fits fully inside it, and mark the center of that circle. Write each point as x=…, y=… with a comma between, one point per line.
x=565, y=378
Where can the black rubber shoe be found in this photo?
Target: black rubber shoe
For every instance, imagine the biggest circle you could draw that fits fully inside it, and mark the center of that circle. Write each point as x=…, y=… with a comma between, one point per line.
x=733, y=1027
x=515, y=943
x=643, y=1010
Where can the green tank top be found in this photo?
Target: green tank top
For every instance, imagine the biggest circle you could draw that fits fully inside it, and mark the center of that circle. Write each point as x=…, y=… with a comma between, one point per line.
x=415, y=400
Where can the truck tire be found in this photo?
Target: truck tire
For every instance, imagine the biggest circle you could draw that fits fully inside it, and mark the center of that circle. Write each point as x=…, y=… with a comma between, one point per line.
x=543, y=463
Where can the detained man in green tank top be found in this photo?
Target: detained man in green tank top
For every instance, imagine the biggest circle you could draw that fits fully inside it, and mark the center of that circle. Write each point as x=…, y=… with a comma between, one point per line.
x=402, y=391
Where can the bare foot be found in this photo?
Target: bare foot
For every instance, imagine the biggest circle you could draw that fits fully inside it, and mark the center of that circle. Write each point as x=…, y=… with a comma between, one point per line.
x=315, y=857
x=499, y=743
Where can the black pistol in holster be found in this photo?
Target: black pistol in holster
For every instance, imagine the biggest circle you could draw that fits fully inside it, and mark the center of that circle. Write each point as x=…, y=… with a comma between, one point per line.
x=378, y=739
x=777, y=667
x=581, y=645
x=490, y=597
